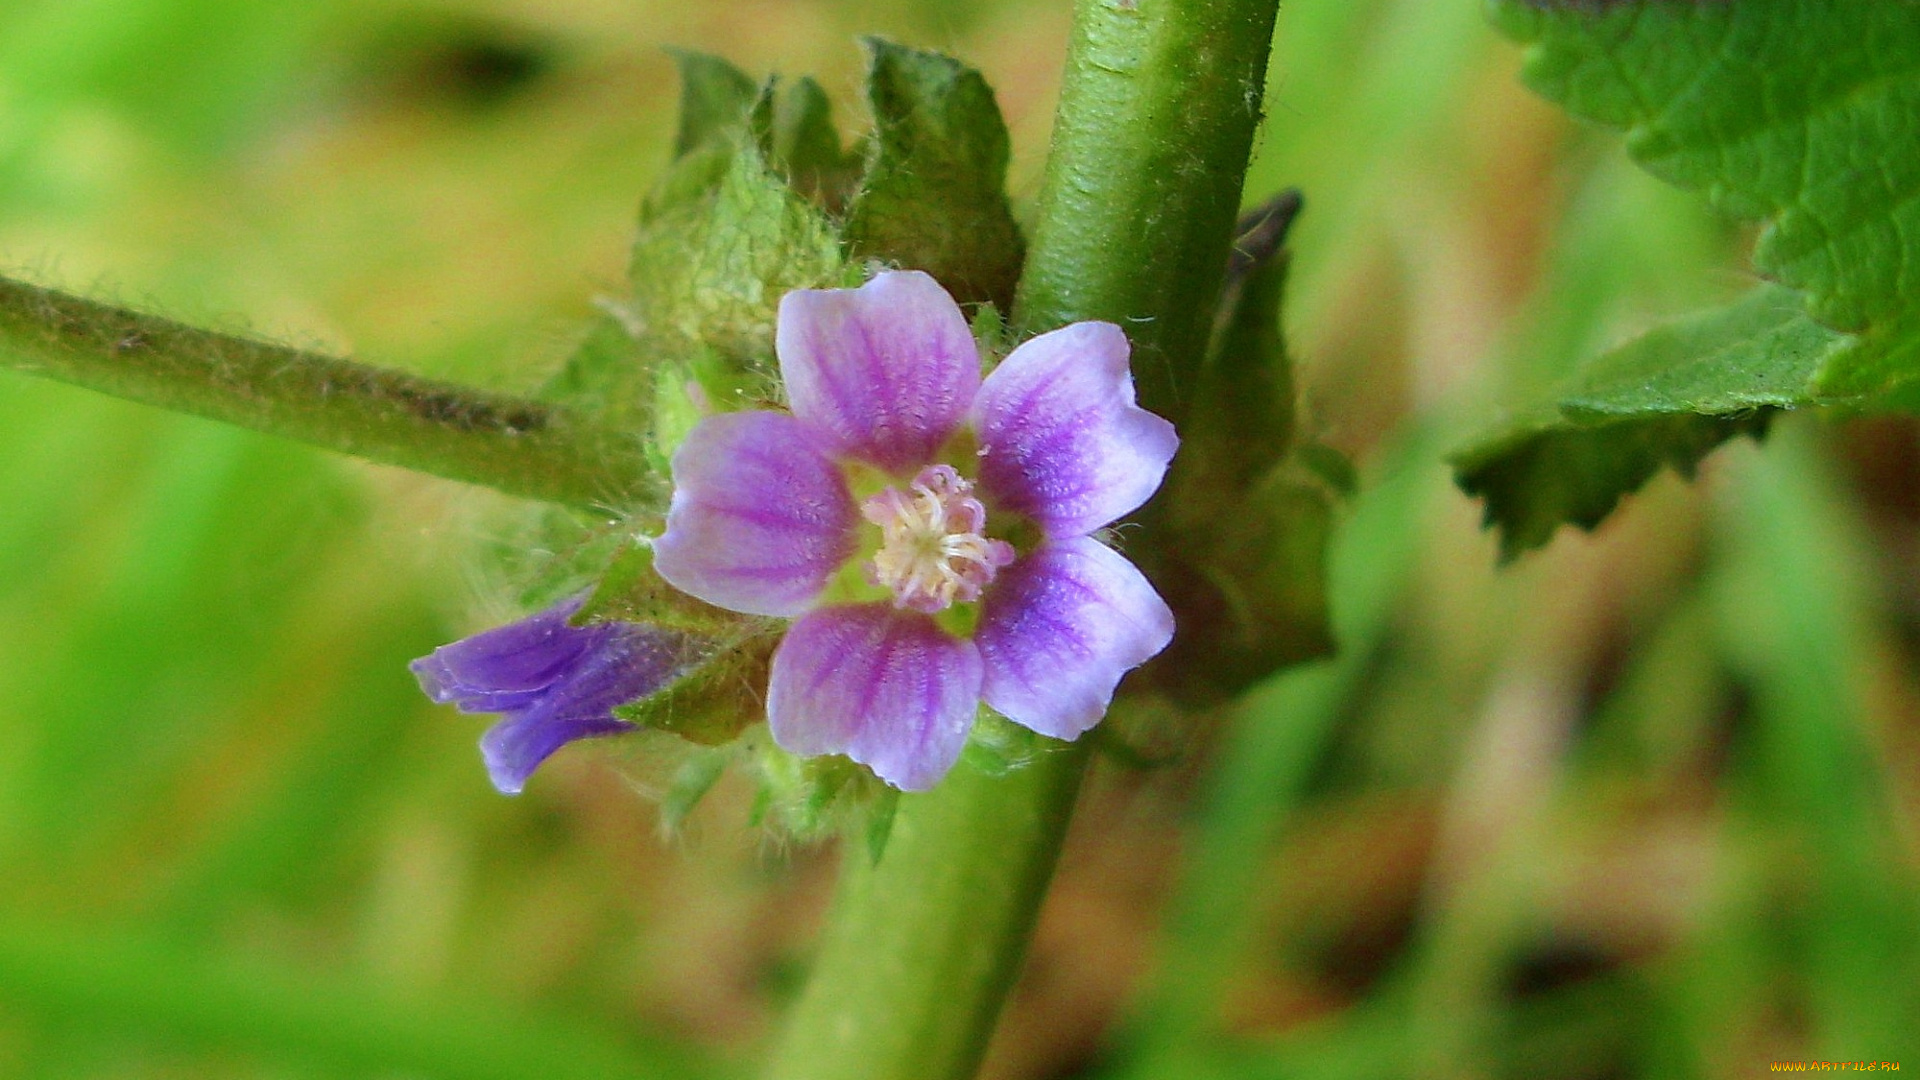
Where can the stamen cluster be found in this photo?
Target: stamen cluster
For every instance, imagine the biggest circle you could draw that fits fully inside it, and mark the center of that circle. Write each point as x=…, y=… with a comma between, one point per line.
x=934, y=550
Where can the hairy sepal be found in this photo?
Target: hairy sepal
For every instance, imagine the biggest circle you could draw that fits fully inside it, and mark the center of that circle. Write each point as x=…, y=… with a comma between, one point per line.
x=809, y=798
x=933, y=195
x=1237, y=542
x=722, y=237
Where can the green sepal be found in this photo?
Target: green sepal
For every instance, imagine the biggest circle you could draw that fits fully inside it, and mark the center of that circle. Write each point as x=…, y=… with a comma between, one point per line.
x=1248, y=588
x=630, y=590
x=678, y=394
x=550, y=553
x=933, y=196
x=720, y=109
x=690, y=783
x=990, y=332
x=998, y=746
x=879, y=829
x=687, y=181
x=720, y=242
x=816, y=796
x=1143, y=732
x=607, y=346
x=715, y=98
x=1663, y=400
x=805, y=145
x=722, y=688
x=720, y=695
x=1237, y=543
x=1329, y=467
x=712, y=273
x=1239, y=420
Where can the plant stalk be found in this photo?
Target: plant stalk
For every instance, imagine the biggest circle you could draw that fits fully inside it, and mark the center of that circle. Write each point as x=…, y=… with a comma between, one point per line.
x=1158, y=109
x=1150, y=148
x=521, y=447
x=923, y=945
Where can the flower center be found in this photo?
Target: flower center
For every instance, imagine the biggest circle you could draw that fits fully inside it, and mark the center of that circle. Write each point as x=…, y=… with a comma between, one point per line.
x=933, y=548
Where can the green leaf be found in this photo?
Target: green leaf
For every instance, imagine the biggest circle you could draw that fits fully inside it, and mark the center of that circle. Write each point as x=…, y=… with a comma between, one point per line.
x=1755, y=352
x=934, y=194
x=1662, y=400
x=1804, y=114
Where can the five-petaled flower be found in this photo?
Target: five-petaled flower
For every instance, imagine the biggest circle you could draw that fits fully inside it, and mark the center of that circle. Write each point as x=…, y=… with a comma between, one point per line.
x=553, y=681
x=929, y=531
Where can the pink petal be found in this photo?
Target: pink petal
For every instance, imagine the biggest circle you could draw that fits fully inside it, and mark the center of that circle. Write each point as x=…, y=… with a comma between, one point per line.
x=887, y=688
x=760, y=517
x=1060, y=628
x=1061, y=440
x=887, y=370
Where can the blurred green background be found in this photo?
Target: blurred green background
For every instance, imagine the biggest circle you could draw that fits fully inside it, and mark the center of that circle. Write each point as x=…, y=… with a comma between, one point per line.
x=1644, y=804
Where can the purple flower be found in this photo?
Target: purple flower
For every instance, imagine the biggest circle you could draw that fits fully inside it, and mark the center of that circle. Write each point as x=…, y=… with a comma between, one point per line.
x=553, y=682
x=927, y=530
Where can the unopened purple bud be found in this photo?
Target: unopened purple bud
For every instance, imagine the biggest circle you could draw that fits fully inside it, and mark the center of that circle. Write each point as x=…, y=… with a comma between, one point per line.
x=551, y=681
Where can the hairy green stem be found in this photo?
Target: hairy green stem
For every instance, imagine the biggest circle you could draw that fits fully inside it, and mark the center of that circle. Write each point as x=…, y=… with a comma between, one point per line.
x=1149, y=155
x=1157, y=115
x=518, y=446
x=924, y=944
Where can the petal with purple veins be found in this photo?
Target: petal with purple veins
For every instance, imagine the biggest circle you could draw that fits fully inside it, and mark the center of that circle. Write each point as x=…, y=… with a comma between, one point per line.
x=887, y=688
x=761, y=516
x=1061, y=440
x=1060, y=628
x=888, y=370
x=622, y=662
x=553, y=682
x=507, y=667
x=516, y=746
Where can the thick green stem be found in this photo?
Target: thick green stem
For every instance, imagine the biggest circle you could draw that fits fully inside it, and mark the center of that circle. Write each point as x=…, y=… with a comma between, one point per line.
x=924, y=944
x=1150, y=150
x=1157, y=116
x=518, y=446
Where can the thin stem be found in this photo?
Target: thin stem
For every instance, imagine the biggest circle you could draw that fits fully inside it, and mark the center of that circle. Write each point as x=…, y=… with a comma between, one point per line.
x=1150, y=151
x=521, y=447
